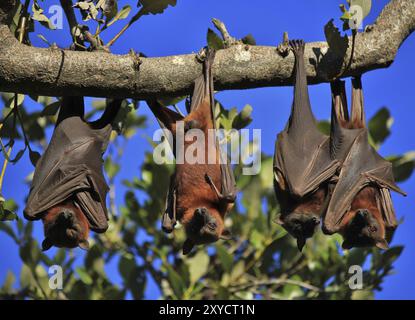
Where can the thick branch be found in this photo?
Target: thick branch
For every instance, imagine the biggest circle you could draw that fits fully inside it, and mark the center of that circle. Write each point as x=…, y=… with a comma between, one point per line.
x=59, y=72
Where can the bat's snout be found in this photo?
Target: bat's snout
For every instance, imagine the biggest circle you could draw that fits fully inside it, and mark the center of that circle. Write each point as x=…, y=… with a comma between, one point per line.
x=363, y=213
x=315, y=221
x=66, y=216
x=204, y=227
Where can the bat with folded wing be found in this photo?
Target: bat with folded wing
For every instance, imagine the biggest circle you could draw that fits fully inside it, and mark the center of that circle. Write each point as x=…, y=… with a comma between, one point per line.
x=201, y=193
x=302, y=162
x=68, y=191
x=360, y=208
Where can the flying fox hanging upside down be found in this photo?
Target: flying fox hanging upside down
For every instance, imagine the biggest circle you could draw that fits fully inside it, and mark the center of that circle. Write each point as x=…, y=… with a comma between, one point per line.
x=360, y=207
x=68, y=190
x=302, y=162
x=200, y=194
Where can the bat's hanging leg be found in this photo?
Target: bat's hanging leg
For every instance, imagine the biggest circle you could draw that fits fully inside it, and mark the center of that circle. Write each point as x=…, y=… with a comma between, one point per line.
x=228, y=198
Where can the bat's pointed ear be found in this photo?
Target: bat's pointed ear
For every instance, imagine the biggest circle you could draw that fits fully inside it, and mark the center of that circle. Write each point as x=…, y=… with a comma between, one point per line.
x=382, y=244
x=226, y=235
x=84, y=244
x=300, y=243
x=278, y=220
x=346, y=245
x=46, y=244
x=188, y=246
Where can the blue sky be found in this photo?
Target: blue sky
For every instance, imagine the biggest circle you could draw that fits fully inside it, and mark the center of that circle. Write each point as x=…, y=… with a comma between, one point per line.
x=182, y=29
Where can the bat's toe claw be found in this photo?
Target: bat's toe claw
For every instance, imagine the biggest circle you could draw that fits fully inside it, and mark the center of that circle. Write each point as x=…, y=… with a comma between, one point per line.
x=297, y=45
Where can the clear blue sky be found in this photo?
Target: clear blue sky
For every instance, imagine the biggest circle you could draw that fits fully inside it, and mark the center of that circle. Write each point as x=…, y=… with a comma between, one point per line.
x=182, y=29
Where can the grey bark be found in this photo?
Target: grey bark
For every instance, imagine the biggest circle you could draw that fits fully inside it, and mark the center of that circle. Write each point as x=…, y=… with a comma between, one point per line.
x=56, y=72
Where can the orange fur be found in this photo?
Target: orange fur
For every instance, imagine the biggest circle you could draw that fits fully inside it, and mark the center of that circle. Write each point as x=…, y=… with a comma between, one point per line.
x=192, y=189
x=67, y=235
x=365, y=199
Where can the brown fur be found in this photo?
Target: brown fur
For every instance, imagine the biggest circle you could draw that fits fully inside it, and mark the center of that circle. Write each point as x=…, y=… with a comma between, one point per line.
x=300, y=216
x=192, y=189
x=61, y=231
x=373, y=231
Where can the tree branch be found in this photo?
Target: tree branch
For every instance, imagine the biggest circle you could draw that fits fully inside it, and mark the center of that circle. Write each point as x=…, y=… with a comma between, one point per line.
x=59, y=72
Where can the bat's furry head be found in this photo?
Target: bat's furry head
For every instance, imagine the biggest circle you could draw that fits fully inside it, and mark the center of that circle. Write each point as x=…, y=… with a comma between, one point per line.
x=363, y=224
x=205, y=226
x=300, y=225
x=365, y=229
x=65, y=226
x=301, y=217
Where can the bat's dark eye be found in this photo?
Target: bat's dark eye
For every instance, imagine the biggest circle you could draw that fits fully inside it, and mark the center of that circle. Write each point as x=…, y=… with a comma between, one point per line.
x=212, y=225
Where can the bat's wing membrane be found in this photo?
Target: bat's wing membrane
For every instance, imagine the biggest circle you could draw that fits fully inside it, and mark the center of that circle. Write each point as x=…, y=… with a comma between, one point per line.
x=305, y=164
x=72, y=167
x=302, y=151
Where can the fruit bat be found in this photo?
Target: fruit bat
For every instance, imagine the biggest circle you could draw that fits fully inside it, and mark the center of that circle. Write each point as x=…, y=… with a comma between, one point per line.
x=302, y=162
x=68, y=191
x=360, y=207
x=200, y=194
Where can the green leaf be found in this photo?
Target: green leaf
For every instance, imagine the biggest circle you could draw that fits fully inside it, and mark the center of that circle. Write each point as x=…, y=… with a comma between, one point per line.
x=198, y=265
x=243, y=119
x=213, y=40
x=6, y=228
x=126, y=266
x=84, y=276
x=34, y=157
x=155, y=6
x=18, y=156
x=335, y=40
x=8, y=283
x=257, y=239
x=379, y=126
x=366, y=6
x=20, y=99
x=7, y=215
x=362, y=295
x=121, y=15
x=111, y=168
x=30, y=253
x=225, y=258
x=249, y=39
x=403, y=166
x=40, y=17
x=51, y=109
x=110, y=8
x=390, y=255
x=42, y=37
x=176, y=282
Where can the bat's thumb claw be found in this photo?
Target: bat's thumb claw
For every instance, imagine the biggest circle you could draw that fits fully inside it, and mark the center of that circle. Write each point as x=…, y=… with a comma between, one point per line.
x=300, y=244
x=278, y=220
x=84, y=244
x=46, y=244
x=382, y=244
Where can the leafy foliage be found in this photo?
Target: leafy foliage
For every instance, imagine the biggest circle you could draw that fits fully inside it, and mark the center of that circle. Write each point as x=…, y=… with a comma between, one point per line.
x=263, y=262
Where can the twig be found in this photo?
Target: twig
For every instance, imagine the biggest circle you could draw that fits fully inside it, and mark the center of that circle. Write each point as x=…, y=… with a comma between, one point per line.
x=120, y=33
x=3, y=169
x=227, y=38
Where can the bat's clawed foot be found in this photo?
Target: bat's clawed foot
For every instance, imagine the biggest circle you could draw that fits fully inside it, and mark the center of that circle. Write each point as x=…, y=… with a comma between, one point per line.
x=84, y=244
x=168, y=226
x=297, y=46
